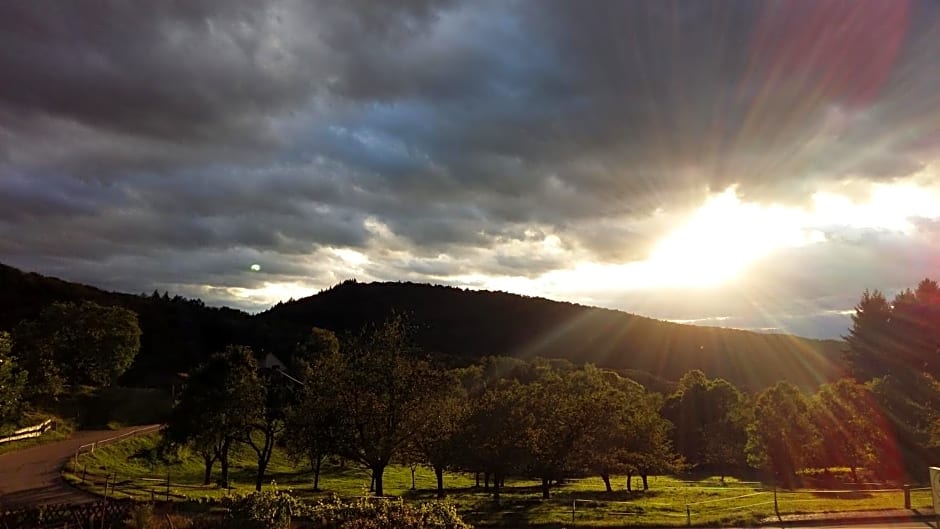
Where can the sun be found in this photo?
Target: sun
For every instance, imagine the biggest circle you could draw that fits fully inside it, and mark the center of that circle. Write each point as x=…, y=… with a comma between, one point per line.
x=721, y=239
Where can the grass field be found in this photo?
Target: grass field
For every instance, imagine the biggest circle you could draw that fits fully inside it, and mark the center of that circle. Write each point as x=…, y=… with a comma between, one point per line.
x=665, y=504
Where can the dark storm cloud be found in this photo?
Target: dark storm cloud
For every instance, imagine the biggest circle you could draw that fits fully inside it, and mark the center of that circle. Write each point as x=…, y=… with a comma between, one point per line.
x=131, y=133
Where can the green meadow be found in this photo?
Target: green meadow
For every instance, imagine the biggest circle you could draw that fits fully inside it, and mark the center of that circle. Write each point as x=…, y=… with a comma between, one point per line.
x=670, y=501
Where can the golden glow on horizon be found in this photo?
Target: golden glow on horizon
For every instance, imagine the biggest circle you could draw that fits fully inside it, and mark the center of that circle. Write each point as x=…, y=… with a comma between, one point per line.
x=716, y=245
x=726, y=236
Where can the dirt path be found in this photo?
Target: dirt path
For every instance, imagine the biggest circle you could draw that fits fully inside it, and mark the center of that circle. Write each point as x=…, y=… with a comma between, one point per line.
x=31, y=476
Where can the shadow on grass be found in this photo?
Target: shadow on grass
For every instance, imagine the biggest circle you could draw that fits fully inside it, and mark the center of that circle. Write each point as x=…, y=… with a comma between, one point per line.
x=843, y=495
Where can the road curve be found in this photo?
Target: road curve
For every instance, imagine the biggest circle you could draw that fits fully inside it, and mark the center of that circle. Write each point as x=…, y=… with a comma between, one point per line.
x=32, y=476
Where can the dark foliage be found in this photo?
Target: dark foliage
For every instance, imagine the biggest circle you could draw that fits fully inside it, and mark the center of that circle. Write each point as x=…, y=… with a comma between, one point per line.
x=466, y=325
x=457, y=327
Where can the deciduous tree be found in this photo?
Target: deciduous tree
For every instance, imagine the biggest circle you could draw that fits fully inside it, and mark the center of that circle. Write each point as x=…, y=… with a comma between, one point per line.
x=70, y=344
x=380, y=387
x=782, y=437
x=222, y=401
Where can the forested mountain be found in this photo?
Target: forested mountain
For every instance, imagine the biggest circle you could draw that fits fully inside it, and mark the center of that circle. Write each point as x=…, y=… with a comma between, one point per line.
x=455, y=325
x=467, y=324
x=177, y=332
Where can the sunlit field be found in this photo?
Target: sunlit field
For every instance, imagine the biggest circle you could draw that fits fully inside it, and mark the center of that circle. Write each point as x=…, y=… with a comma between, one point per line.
x=670, y=501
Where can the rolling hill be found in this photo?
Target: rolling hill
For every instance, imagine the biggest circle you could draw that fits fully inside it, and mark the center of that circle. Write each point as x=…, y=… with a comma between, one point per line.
x=466, y=324
x=455, y=325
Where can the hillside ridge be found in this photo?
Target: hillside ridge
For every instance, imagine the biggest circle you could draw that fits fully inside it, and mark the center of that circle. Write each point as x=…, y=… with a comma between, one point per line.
x=456, y=325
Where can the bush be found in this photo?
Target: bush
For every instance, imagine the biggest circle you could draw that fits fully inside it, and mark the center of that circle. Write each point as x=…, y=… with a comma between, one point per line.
x=267, y=509
x=141, y=516
x=368, y=513
x=273, y=509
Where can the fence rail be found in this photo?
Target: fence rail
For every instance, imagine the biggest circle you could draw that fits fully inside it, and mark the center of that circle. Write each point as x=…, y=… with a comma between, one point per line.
x=29, y=431
x=90, y=447
x=760, y=501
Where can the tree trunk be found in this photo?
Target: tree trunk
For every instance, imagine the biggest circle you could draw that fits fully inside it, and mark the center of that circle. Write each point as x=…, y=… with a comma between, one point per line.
x=223, y=478
x=478, y=479
x=223, y=460
x=377, y=472
x=546, y=484
x=496, y=488
x=646, y=485
x=316, y=473
x=413, y=487
x=259, y=477
x=209, y=461
x=439, y=473
x=629, y=481
x=854, y=474
x=606, y=478
x=486, y=482
x=263, y=452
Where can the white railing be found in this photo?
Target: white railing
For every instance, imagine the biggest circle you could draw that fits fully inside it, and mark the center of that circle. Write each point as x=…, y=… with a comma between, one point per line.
x=90, y=447
x=28, y=432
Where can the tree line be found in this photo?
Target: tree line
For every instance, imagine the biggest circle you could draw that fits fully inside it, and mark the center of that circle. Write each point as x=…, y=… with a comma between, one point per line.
x=374, y=399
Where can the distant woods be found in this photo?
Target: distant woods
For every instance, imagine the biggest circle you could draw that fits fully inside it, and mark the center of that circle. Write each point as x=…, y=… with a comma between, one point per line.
x=363, y=384
x=457, y=327
x=373, y=398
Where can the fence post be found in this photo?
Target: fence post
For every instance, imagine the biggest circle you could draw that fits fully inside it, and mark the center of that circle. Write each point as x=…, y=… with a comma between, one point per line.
x=168, y=485
x=776, y=506
x=907, y=496
x=688, y=516
x=573, y=503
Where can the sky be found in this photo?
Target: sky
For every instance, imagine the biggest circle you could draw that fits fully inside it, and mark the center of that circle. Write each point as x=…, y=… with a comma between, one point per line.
x=735, y=163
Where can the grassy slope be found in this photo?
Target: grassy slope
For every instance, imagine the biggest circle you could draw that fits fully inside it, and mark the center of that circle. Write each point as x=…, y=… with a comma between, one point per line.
x=664, y=504
x=93, y=408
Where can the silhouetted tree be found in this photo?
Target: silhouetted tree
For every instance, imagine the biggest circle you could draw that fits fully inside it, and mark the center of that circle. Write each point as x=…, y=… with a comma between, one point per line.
x=379, y=389
x=222, y=401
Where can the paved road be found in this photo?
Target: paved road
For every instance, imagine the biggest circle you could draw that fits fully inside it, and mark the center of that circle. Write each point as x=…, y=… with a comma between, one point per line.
x=31, y=476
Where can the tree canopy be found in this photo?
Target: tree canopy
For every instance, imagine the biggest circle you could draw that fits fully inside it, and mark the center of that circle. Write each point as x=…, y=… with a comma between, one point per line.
x=72, y=344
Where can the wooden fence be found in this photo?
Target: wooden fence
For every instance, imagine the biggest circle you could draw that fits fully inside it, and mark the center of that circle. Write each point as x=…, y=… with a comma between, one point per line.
x=100, y=515
x=29, y=431
x=90, y=447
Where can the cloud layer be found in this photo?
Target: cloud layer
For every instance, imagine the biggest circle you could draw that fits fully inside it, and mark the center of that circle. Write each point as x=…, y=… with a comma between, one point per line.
x=172, y=145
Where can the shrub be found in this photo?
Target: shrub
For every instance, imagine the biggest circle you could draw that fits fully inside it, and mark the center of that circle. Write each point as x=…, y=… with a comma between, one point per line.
x=369, y=513
x=266, y=509
x=141, y=516
x=274, y=509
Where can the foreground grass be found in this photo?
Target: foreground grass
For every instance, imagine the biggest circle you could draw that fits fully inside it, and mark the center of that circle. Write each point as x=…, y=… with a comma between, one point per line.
x=665, y=504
